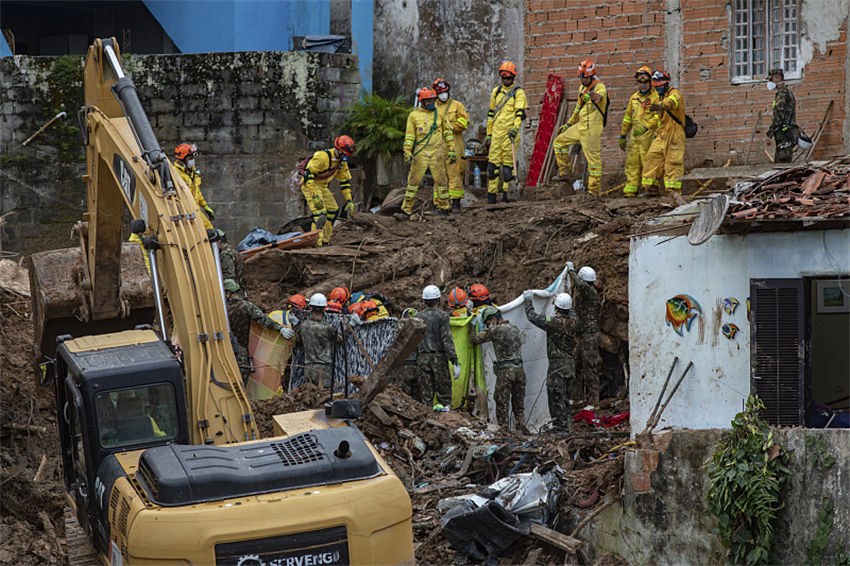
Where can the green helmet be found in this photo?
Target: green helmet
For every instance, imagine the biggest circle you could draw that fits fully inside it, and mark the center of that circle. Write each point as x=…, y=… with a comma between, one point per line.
x=231, y=285
x=490, y=312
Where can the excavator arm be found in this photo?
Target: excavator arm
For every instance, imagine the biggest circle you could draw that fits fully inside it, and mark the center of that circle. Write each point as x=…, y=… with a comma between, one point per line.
x=126, y=168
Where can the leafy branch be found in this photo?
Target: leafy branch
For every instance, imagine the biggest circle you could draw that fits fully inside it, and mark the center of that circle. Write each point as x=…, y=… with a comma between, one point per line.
x=377, y=125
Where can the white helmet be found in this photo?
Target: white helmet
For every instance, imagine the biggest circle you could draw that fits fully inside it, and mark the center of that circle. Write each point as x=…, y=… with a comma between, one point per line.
x=563, y=301
x=318, y=300
x=431, y=292
x=587, y=273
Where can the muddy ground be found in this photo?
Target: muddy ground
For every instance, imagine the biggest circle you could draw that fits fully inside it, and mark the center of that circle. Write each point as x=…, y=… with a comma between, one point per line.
x=509, y=247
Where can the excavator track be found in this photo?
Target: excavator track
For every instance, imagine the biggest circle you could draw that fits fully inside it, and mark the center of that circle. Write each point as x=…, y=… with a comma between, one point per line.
x=80, y=550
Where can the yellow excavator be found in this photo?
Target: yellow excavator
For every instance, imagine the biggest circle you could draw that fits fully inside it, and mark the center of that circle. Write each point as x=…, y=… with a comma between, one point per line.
x=160, y=452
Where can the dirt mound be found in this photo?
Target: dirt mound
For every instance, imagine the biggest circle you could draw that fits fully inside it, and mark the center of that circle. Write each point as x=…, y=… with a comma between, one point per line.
x=32, y=510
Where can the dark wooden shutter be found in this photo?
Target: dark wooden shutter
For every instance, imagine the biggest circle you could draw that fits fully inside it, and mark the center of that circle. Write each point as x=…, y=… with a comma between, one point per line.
x=777, y=349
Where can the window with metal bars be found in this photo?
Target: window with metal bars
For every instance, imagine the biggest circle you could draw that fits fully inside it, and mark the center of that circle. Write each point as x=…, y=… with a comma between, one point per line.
x=765, y=36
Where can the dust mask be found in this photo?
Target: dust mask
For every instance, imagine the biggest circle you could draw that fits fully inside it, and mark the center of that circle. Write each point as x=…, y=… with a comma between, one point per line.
x=429, y=106
x=771, y=85
x=190, y=163
x=443, y=96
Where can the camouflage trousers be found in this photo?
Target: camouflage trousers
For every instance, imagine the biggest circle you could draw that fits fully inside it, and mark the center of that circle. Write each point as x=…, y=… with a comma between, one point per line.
x=562, y=374
x=408, y=379
x=510, y=390
x=589, y=365
x=318, y=374
x=434, y=378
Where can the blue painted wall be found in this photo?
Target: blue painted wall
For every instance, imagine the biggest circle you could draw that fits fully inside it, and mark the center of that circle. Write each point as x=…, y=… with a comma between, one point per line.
x=4, y=48
x=215, y=26
x=362, y=12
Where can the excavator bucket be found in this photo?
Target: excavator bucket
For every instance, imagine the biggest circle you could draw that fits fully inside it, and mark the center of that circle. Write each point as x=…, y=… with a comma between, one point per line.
x=59, y=303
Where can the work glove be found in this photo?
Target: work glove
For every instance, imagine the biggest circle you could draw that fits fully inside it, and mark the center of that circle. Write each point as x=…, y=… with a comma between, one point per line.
x=318, y=203
x=570, y=266
x=770, y=131
x=623, y=143
x=321, y=220
x=348, y=208
x=585, y=97
x=563, y=128
x=513, y=133
x=452, y=157
x=408, y=157
x=457, y=372
x=638, y=131
x=487, y=139
x=354, y=320
x=209, y=212
x=287, y=332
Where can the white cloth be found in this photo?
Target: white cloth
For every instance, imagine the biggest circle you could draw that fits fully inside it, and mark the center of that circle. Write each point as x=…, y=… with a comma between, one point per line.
x=535, y=361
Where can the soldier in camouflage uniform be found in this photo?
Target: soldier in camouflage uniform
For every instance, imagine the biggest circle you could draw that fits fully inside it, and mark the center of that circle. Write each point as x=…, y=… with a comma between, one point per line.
x=783, y=129
x=560, y=343
x=240, y=312
x=318, y=340
x=510, y=376
x=232, y=264
x=435, y=352
x=587, y=351
x=408, y=378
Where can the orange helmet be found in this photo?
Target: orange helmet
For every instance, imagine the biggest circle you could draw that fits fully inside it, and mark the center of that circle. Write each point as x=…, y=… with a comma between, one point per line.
x=440, y=85
x=644, y=71
x=333, y=306
x=298, y=301
x=586, y=68
x=507, y=68
x=357, y=308
x=370, y=307
x=479, y=292
x=345, y=144
x=457, y=297
x=660, y=78
x=185, y=150
x=425, y=93
x=340, y=295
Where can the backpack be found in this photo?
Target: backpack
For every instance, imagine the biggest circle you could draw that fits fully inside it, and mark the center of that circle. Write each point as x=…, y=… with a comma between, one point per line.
x=691, y=128
x=607, y=106
x=302, y=167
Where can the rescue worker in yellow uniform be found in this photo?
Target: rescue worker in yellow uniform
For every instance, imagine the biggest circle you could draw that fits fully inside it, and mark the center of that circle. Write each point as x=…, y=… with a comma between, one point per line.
x=454, y=112
x=191, y=175
x=585, y=127
x=424, y=149
x=642, y=123
x=323, y=167
x=507, y=111
x=667, y=150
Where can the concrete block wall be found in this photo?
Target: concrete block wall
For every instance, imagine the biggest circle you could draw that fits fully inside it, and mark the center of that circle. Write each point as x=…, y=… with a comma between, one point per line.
x=252, y=116
x=691, y=40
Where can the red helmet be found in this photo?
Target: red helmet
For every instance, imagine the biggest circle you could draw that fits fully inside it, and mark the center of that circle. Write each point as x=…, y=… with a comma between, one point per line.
x=357, y=308
x=425, y=93
x=440, y=85
x=333, y=306
x=185, y=150
x=370, y=308
x=345, y=144
x=586, y=68
x=659, y=78
x=479, y=292
x=340, y=295
x=457, y=297
x=507, y=68
x=298, y=301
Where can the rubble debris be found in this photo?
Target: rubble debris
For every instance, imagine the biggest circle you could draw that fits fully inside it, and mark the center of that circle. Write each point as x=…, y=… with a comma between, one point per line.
x=800, y=192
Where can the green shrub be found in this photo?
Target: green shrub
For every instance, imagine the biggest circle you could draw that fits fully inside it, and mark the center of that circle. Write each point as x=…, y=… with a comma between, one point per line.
x=377, y=125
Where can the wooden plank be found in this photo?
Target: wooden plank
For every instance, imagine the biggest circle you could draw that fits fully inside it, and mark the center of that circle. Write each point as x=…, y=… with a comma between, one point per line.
x=410, y=332
x=379, y=412
x=559, y=540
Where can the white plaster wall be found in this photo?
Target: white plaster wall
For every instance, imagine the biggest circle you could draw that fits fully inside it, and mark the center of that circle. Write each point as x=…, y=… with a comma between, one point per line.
x=719, y=382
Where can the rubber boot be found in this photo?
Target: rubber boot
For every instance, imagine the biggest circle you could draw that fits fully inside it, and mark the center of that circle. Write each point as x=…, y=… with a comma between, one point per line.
x=455, y=205
x=443, y=212
x=401, y=215
x=491, y=198
x=505, y=196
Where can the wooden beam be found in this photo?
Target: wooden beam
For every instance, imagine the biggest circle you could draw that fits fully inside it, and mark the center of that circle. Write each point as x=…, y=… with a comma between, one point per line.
x=559, y=540
x=410, y=332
